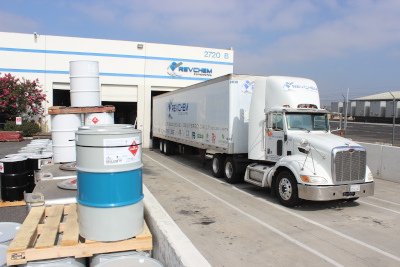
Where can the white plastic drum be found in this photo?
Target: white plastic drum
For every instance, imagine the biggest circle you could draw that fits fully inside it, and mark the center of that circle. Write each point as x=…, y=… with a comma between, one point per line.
x=85, y=87
x=107, y=126
x=99, y=118
x=63, y=127
x=62, y=262
x=124, y=259
x=8, y=230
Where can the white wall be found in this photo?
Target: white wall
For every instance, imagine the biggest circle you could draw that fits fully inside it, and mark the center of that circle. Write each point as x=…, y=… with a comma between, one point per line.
x=384, y=161
x=120, y=63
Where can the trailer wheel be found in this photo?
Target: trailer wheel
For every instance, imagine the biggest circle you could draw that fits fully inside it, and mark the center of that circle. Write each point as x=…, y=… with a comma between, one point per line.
x=230, y=171
x=168, y=147
x=218, y=165
x=286, y=189
x=162, y=146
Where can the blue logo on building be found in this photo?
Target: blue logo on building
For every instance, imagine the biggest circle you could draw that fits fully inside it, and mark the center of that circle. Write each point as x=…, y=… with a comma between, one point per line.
x=175, y=69
x=172, y=69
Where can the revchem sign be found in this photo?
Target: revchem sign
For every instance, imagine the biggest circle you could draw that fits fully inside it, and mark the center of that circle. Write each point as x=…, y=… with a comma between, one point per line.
x=176, y=70
x=179, y=108
x=292, y=86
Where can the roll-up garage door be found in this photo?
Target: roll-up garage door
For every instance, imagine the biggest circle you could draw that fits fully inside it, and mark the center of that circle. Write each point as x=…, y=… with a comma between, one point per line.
x=61, y=86
x=119, y=93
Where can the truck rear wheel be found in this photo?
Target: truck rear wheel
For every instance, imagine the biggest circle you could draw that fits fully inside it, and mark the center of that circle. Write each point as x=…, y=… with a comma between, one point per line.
x=218, y=165
x=162, y=146
x=286, y=189
x=230, y=171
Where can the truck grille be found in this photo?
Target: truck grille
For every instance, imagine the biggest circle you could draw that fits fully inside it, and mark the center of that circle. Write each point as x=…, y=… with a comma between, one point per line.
x=348, y=164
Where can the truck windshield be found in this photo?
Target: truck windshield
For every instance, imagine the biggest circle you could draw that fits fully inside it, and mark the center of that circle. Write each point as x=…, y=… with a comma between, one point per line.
x=309, y=122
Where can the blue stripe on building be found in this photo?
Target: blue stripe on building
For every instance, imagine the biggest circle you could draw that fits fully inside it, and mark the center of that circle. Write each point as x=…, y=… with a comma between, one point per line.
x=107, y=74
x=110, y=55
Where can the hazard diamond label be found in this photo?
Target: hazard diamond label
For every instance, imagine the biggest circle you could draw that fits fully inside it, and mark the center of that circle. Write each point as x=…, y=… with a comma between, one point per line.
x=1, y=167
x=95, y=120
x=133, y=148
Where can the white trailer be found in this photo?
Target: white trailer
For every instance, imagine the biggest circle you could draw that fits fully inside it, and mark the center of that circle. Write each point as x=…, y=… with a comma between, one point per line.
x=362, y=108
x=267, y=131
x=377, y=109
x=389, y=109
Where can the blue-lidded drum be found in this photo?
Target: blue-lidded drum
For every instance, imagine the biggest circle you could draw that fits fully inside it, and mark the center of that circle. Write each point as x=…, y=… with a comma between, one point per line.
x=109, y=171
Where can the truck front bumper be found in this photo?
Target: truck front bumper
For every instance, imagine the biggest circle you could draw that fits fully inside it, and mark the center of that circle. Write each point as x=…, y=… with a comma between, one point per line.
x=325, y=193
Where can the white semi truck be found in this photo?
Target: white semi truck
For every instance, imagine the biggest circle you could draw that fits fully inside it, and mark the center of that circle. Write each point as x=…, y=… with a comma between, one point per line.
x=267, y=131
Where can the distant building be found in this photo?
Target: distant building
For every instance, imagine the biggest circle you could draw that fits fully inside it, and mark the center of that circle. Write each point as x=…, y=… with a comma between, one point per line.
x=131, y=73
x=380, y=97
x=373, y=108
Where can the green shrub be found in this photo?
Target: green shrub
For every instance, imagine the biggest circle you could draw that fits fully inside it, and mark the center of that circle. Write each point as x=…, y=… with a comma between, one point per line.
x=28, y=128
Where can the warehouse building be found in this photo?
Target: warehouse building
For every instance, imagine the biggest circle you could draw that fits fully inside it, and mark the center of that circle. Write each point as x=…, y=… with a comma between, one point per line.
x=131, y=73
x=374, y=108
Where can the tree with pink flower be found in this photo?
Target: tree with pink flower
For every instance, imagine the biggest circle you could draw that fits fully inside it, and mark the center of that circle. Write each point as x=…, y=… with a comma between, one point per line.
x=20, y=98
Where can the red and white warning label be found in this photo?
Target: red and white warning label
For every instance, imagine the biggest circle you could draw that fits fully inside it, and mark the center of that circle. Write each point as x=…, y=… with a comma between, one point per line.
x=95, y=120
x=1, y=167
x=120, y=151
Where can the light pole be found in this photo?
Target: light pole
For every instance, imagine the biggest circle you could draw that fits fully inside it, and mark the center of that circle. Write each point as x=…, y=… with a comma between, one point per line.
x=345, y=115
x=394, y=116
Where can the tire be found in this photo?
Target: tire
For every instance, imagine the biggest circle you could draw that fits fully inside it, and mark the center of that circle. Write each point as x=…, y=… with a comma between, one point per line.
x=217, y=165
x=162, y=146
x=230, y=171
x=286, y=189
x=168, y=147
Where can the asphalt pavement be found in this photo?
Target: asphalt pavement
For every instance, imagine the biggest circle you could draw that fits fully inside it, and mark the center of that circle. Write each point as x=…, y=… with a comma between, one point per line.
x=375, y=133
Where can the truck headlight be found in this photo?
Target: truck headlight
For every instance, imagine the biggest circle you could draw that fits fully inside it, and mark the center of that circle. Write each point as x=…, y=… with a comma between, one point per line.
x=313, y=179
x=370, y=177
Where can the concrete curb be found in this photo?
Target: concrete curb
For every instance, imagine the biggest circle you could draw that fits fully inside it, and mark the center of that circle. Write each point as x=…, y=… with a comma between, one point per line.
x=170, y=245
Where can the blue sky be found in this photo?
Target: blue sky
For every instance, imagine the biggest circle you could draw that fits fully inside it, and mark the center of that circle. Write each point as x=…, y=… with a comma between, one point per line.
x=351, y=44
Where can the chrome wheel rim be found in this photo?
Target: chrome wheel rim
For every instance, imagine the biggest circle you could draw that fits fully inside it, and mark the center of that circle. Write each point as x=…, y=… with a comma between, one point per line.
x=215, y=165
x=285, y=189
x=228, y=170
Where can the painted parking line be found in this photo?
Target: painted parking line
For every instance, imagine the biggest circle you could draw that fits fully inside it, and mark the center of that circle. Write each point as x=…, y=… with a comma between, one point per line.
x=284, y=209
x=251, y=216
x=390, y=202
x=380, y=207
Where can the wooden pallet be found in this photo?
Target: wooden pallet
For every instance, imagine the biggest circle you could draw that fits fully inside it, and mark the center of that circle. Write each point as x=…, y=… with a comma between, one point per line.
x=77, y=110
x=36, y=239
x=12, y=203
x=42, y=136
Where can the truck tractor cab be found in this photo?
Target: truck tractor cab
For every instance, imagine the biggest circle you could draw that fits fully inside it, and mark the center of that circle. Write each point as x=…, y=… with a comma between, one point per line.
x=295, y=153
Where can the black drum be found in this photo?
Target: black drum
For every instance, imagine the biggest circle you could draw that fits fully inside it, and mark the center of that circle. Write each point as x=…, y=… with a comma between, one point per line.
x=13, y=178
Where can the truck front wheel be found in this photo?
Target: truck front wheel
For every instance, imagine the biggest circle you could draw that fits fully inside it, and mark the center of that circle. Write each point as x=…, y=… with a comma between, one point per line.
x=286, y=189
x=230, y=171
x=218, y=165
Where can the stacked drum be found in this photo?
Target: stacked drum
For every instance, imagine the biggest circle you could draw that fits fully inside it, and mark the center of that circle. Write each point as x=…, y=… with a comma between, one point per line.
x=109, y=170
x=13, y=178
x=63, y=135
x=85, y=85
